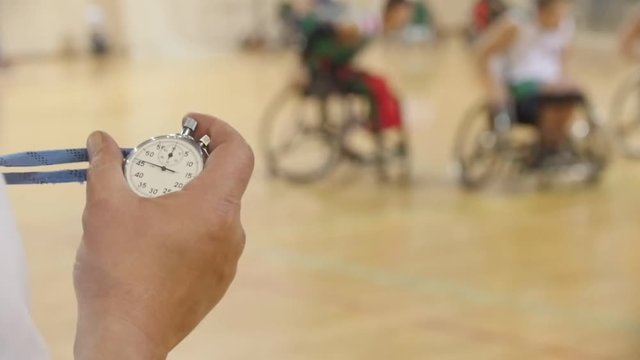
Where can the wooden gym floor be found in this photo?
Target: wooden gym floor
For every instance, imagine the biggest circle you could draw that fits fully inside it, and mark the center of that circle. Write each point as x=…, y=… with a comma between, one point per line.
x=348, y=269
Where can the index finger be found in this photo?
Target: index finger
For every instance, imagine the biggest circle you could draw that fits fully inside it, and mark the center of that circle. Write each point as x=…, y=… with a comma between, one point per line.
x=228, y=170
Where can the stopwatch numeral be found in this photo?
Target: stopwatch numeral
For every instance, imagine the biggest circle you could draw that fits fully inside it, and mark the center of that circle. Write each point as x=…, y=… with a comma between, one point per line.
x=153, y=191
x=166, y=191
x=150, y=153
x=189, y=176
x=140, y=163
x=142, y=185
x=190, y=164
x=139, y=175
x=186, y=153
x=178, y=185
x=159, y=147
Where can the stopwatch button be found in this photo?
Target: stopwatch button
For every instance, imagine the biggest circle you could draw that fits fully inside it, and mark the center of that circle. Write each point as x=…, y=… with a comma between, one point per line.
x=205, y=141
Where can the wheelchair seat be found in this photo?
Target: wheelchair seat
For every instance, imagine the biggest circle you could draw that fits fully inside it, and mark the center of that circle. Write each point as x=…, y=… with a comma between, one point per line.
x=323, y=86
x=568, y=97
x=525, y=111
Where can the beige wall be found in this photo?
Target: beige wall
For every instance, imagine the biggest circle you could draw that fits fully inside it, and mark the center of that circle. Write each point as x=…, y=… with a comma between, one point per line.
x=152, y=27
x=184, y=27
x=36, y=27
x=181, y=27
x=46, y=27
x=157, y=27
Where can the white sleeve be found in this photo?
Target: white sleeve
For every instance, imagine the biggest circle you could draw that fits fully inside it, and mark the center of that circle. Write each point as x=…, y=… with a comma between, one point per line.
x=19, y=338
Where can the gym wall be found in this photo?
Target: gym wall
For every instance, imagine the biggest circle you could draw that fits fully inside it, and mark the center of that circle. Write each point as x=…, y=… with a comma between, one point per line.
x=173, y=28
x=37, y=28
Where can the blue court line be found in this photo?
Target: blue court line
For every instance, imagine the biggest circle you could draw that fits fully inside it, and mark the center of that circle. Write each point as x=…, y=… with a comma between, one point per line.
x=461, y=293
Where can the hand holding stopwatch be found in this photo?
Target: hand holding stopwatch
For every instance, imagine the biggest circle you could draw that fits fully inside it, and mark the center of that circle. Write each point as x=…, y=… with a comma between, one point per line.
x=174, y=256
x=157, y=167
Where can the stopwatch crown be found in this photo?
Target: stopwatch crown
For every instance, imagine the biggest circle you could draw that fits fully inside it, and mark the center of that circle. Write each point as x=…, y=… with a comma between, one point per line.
x=190, y=123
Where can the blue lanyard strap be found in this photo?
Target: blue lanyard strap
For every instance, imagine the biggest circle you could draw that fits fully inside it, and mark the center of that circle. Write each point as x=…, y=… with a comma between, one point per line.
x=47, y=158
x=41, y=178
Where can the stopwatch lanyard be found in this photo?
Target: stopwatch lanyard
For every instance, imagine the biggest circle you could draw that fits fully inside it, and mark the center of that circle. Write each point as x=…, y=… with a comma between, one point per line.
x=47, y=158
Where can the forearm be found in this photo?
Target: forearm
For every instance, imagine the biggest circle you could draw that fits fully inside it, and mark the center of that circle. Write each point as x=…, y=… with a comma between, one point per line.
x=496, y=43
x=102, y=338
x=492, y=86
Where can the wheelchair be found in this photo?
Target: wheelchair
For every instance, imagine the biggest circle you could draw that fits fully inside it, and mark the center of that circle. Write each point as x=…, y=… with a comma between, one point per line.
x=625, y=115
x=492, y=146
x=309, y=129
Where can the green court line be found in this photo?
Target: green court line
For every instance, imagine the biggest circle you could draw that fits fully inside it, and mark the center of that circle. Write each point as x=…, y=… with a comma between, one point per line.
x=459, y=292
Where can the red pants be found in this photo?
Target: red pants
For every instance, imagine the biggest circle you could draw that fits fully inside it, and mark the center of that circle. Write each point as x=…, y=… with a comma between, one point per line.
x=386, y=111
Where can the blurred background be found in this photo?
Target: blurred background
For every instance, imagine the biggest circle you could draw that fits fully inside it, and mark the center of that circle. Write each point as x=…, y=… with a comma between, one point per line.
x=37, y=28
x=346, y=267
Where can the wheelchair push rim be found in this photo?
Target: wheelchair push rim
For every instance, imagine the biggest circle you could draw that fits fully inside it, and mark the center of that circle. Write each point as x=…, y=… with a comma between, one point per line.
x=297, y=138
x=626, y=118
x=592, y=144
x=475, y=148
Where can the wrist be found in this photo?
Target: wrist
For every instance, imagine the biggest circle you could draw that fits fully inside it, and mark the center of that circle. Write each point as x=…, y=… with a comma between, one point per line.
x=102, y=337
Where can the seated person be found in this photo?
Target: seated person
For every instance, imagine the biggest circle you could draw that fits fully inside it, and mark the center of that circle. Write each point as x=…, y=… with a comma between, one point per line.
x=330, y=50
x=534, y=48
x=421, y=25
x=484, y=14
x=292, y=12
x=630, y=38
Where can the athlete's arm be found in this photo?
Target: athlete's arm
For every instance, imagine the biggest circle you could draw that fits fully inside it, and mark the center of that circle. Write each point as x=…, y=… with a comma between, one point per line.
x=629, y=38
x=349, y=34
x=496, y=42
x=566, y=74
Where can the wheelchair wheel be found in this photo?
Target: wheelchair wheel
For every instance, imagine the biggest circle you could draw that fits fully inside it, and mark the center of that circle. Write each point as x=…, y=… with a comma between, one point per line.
x=626, y=117
x=393, y=161
x=592, y=146
x=359, y=139
x=363, y=143
x=476, y=148
x=299, y=141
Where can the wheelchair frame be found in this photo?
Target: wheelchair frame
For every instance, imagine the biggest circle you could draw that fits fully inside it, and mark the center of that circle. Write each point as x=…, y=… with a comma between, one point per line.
x=334, y=133
x=502, y=153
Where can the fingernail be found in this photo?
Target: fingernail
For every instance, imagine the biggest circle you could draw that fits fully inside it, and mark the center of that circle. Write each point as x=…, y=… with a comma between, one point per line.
x=94, y=143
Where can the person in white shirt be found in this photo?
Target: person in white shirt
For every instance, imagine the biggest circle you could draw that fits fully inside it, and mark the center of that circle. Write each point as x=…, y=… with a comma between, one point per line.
x=147, y=270
x=533, y=48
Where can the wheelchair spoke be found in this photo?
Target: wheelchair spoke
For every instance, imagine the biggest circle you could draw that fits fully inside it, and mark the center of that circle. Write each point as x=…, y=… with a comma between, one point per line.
x=296, y=138
x=291, y=140
x=626, y=129
x=483, y=146
x=477, y=154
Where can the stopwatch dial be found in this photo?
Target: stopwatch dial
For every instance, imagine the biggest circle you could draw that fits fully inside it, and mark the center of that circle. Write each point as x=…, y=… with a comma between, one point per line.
x=171, y=155
x=164, y=166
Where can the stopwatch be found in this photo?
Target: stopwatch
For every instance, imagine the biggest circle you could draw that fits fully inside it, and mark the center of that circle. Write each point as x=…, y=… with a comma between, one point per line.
x=166, y=164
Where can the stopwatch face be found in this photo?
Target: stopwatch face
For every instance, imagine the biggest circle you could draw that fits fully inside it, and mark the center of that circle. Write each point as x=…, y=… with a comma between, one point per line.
x=163, y=165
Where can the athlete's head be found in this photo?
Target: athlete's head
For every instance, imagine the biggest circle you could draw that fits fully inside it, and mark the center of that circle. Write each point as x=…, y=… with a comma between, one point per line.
x=552, y=12
x=397, y=13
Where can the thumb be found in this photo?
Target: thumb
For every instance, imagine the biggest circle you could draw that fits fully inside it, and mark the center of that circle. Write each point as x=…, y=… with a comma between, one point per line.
x=106, y=176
